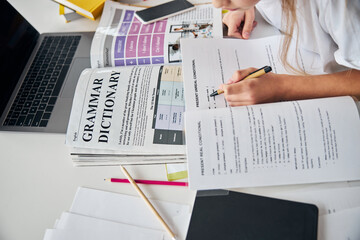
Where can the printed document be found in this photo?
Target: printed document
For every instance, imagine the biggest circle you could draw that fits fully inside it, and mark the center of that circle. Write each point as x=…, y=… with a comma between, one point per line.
x=207, y=63
x=273, y=144
x=134, y=110
x=267, y=144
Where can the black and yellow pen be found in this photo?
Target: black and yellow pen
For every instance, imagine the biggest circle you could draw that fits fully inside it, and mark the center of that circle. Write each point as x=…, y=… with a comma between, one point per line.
x=257, y=73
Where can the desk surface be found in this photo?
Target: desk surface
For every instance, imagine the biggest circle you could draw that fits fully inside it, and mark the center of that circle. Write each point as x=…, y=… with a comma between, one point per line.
x=37, y=179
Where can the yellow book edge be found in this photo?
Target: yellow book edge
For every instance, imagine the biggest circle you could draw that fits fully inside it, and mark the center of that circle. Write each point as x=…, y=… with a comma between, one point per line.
x=92, y=14
x=61, y=9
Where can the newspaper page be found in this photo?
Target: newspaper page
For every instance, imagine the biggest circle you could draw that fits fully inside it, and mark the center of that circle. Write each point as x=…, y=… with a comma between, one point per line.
x=133, y=110
x=122, y=40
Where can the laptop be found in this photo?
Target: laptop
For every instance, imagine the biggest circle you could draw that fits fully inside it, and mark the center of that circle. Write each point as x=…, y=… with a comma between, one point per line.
x=39, y=73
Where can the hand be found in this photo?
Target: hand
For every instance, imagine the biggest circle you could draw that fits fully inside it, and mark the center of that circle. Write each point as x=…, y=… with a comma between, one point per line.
x=240, y=92
x=240, y=23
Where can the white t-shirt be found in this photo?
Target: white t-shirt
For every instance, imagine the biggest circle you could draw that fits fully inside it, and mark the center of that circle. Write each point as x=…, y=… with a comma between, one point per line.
x=329, y=28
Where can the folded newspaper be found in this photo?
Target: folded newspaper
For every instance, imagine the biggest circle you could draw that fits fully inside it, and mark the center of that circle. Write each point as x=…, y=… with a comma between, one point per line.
x=128, y=114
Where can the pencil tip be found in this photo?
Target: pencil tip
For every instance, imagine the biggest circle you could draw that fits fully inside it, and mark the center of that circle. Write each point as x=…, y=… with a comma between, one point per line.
x=214, y=94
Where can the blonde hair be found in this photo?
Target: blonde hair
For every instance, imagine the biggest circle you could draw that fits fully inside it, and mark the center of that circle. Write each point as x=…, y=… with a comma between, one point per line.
x=289, y=23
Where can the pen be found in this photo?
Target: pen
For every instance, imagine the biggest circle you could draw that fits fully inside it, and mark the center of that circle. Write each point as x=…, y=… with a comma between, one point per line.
x=148, y=203
x=259, y=72
x=155, y=182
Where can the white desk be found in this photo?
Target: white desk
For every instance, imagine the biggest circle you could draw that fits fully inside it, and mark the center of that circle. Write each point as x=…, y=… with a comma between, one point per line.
x=37, y=179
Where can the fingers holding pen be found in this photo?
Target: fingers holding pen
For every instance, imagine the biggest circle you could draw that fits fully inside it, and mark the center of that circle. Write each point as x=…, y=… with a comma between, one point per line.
x=235, y=94
x=252, y=91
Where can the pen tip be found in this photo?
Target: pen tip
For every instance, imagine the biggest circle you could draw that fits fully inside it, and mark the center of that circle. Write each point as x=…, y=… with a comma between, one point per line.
x=214, y=94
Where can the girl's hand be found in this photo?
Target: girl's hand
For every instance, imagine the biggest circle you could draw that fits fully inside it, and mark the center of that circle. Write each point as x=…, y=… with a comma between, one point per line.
x=240, y=23
x=238, y=92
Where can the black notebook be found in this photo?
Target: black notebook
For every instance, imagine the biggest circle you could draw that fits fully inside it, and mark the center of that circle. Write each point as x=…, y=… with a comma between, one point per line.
x=234, y=215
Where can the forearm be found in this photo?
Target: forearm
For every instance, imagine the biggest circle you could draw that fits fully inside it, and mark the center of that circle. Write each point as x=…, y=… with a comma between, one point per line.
x=316, y=86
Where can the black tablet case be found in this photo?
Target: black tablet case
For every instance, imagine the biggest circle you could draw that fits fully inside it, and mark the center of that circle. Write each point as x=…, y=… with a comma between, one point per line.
x=235, y=215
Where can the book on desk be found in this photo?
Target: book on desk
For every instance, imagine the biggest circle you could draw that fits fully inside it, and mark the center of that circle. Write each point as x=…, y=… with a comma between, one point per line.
x=87, y=8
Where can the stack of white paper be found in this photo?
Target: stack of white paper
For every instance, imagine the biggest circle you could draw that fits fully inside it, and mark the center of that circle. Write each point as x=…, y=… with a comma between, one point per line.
x=97, y=215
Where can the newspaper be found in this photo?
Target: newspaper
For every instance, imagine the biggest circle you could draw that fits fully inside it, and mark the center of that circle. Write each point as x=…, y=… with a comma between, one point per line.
x=122, y=40
x=134, y=112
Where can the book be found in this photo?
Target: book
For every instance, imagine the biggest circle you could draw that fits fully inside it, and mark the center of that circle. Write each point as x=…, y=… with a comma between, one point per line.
x=129, y=115
x=68, y=14
x=236, y=215
x=88, y=8
x=122, y=40
x=293, y=142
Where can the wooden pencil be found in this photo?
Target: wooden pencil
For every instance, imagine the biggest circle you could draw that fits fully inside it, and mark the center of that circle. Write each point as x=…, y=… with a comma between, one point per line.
x=148, y=203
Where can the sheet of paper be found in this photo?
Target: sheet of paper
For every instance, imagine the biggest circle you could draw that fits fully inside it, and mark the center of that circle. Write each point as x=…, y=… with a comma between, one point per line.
x=131, y=210
x=90, y=234
x=341, y=225
x=207, y=63
x=86, y=228
x=273, y=144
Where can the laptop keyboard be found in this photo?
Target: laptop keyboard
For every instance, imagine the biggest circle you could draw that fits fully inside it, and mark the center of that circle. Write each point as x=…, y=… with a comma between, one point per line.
x=37, y=95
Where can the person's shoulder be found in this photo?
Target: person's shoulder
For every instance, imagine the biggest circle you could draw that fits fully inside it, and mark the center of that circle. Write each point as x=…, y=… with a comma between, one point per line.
x=338, y=14
x=340, y=7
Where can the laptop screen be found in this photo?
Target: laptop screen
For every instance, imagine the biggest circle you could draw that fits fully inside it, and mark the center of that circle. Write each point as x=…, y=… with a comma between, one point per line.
x=17, y=40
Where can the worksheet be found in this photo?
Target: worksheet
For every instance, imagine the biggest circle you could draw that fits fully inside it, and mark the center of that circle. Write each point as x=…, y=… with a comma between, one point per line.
x=267, y=144
x=207, y=63
x=282, y=143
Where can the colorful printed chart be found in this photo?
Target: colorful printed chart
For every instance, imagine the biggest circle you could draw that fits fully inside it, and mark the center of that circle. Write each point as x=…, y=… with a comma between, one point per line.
x=139, y=44
x=170, y=106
